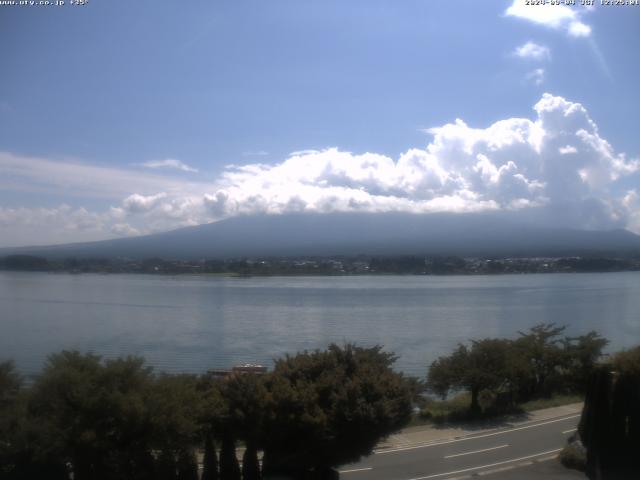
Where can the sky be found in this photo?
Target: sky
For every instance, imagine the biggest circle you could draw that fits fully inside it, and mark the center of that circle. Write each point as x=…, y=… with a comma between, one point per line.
x=122, y=118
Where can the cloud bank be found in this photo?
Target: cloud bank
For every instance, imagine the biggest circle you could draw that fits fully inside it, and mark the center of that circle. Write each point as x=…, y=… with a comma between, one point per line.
x=555, y=163
x=554, y=168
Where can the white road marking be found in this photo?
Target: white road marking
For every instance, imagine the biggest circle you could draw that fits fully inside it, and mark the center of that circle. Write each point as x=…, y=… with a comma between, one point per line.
x=477, y=451
x=486, y=466
x=570, y=430
x=402, y=449
x=355, y=470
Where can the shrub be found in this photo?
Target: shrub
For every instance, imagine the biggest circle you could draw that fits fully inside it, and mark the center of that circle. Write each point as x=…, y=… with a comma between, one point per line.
x=573, y=457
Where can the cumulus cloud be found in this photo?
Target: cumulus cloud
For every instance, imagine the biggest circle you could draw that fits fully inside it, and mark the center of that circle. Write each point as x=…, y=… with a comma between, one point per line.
x=553, y=168
x=560, y=17
x=169, y=163
x=517, y=164
x=140, y=203
x=567, y=149
x=533, y=51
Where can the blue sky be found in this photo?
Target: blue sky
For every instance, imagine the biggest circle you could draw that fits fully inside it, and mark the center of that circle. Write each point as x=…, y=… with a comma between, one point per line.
x=121, y=118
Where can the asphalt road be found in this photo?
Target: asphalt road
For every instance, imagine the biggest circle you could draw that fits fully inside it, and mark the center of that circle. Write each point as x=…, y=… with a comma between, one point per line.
x=476, y=454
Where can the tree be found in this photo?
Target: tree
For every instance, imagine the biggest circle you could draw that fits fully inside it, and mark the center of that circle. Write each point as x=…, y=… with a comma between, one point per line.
x=25, y=452
x=229, y=468
x=610, y=418
x=210, y=460
x=250, y=464
x=11, y=419
x=581, y=353
x=482, y=366
x=540, y=346
x=93, y=415
x=175, y=408
x=245, y=398
x=331, y=407
x=627, y=362
x=64, y=399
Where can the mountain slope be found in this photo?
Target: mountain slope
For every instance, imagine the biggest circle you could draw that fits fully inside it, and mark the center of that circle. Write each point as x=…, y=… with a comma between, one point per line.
x=350, y=234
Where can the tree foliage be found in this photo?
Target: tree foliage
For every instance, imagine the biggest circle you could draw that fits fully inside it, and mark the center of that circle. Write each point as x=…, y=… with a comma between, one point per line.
x=331, y=407
x=210, y=460
x=110, y=419
x=481, y=366
x=94, y=414
x=229, y=467
x=627, y=362
x=537, y=363
x=609, y=427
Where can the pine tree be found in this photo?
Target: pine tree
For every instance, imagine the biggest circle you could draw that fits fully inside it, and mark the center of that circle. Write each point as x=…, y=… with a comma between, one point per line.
x=229, y=468
x=210, y=462
x=250, y=465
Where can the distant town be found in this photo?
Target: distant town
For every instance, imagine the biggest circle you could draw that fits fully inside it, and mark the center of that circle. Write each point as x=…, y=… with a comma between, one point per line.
x=339, y=265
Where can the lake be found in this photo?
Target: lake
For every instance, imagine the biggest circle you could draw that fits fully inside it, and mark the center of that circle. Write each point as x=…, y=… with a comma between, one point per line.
x=193, y=323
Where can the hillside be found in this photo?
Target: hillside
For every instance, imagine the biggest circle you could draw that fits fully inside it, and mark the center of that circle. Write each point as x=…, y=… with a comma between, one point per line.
x=351, y=234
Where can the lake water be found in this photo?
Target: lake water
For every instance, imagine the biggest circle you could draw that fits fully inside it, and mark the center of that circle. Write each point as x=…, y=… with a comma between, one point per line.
x=192, y=323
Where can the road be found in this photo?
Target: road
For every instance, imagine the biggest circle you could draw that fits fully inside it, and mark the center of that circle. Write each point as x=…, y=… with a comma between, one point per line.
x=475, y=454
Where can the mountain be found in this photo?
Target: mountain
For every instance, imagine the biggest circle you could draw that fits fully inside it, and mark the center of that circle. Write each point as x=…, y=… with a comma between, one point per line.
x=352, y=234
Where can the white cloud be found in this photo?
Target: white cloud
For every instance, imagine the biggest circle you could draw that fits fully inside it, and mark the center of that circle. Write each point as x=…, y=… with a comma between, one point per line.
x=536, y=76
x=524, y=165
x=137, y=203
x=561, y=17
x=531, y=50
x=567, y=149
x=308, y=151
x=579, y=29
x=33, y=226
x=513, y=164
x=169, y=163
x=631, y=201
x=124, y=230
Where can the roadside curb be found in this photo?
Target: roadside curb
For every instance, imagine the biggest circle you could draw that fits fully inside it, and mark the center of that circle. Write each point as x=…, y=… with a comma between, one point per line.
x=387, y=448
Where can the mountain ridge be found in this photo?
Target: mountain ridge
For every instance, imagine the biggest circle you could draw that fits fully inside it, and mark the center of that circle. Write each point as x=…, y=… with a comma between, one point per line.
x=317, y=234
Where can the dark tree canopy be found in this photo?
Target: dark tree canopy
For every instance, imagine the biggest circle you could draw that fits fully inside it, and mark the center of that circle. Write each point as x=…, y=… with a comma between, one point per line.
x=210, y=460
x=537, y=363
x=229, y=467
x=331, y=407
x=610, y=424
x=93, y=414
x=481, y=366
x=174, y=407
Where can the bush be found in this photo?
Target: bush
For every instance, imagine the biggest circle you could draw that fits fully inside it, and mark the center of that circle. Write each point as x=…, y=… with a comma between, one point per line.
x=572, y=456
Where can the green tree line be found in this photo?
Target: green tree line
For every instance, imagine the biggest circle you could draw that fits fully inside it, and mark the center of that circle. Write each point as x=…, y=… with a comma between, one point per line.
x=500, y=373
x=88, y=418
